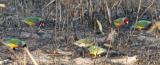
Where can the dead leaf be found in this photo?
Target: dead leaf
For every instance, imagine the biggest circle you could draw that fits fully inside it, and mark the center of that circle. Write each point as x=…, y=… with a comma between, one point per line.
x=126, y=60
x=100, y=26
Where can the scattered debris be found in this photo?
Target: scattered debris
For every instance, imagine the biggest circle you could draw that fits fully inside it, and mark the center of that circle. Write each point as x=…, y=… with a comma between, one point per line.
x=112, y=35
x=151, y=39
x=108, y=45
x=41, y=57
x=113, y=53
x=62, y=60
x=83, y=61
x=36, y=36
x=25, y=34
x=46, y=36
x=111, y=38
x=6, y=61
x=126, y=60
x=61, y=52
x=101, y=39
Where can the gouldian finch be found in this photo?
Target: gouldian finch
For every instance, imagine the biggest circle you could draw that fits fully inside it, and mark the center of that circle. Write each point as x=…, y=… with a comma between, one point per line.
x=96, y=50
x=35, y=21
x=14, y=43
x=88, y=43
x=142, y=24
x=120, y=22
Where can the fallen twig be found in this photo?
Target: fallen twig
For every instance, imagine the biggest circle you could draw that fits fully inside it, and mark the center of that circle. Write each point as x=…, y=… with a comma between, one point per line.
x=30, y=55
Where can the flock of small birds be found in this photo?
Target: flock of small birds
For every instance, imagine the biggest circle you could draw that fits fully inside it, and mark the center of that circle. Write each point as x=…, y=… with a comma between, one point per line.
x=118, y=24
x=38, y=23
x=15, y=43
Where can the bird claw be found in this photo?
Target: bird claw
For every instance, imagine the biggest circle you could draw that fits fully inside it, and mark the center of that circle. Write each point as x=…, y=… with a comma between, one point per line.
x=16, y=49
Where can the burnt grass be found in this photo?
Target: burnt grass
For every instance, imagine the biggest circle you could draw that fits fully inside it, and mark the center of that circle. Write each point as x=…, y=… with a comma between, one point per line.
x=65, y=23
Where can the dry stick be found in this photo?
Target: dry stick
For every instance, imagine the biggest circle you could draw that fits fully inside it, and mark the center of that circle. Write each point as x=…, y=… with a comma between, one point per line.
x=139, y=7
x=60, y=14
x=109, y=12
x=81, y=12
x=55, y=28
x=35, y=63
x=32, y=32
x=82, y=20
x=30, y=55
x=119, y=4
x=109, y=16
x=24, y=59
x=92, y=16
x=49, y=4
x=147, y=9
x=110, y=43
x=82, y=16
x=90, y=9
x=116, y=3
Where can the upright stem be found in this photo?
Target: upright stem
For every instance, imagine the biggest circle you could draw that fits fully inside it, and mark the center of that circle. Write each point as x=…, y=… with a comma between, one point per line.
x=140, y=3
x=82, y=16
x=108, y=12
x=110, y=43
x=55, y=28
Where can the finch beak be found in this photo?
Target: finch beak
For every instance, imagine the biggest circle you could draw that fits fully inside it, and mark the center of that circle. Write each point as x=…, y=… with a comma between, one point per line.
x=127, y=22
x=42, y=24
